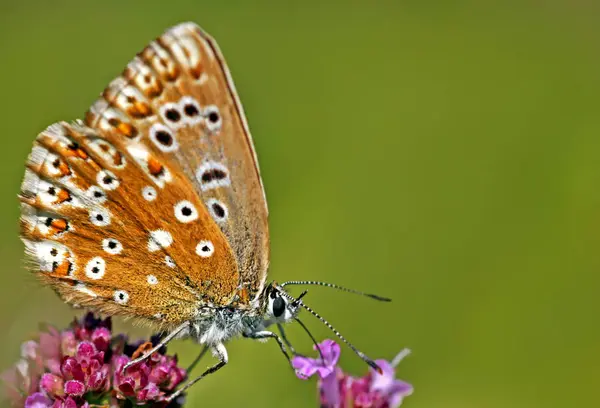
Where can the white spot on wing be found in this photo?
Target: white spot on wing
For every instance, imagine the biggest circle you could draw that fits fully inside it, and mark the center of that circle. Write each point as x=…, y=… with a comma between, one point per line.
x=163, y=138
x=169, y=261
x=185, y=211
x=96, y=194
x=192, y=112
x=95, y=268
x=107, y=180
x=211, y=175
x=47, y=253
x=49, y=164
x=100, y=218
x=212, y=116
x=80, y=287
x=159, y=239
x=108, y=152
x=121, y=297
x=205, y=249
x=172, y=115
x=217, y=210
x=149, y=193
x=141, y=156
x=152, y=280
x=112, y=246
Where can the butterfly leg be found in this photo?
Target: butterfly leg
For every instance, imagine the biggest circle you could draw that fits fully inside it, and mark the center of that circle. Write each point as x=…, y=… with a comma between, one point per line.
x=265, y=334
x=162, y=343
x=197, y=359
x=286, y=341
x=221, y=353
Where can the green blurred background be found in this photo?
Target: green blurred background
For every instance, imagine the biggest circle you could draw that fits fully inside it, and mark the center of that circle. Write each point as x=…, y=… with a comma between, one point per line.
x=444, y=153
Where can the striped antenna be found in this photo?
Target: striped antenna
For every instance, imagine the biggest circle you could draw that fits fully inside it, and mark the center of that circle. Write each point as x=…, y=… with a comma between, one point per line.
x=359, y=353
x=334, y=286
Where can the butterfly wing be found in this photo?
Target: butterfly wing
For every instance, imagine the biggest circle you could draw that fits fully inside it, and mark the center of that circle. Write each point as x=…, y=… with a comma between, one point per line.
x=178, y=93
x=138, y=214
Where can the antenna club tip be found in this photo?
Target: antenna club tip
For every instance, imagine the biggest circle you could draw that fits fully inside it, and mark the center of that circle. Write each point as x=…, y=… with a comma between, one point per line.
x=374, y=366
x=380, y=298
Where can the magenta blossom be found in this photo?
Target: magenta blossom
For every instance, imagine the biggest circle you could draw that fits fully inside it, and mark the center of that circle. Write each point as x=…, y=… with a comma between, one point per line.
x=81, y=367
x=306, y=367
x=340, y=390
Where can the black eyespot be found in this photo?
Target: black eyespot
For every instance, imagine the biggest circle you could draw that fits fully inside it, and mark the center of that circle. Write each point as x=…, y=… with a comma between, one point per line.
x=173, y=115
x=112, y=244
x=56, y=163
x=164, y=138
x=213, y=174
x=95, y=269
x=205, y=248
x=107, y=180
x=218, y=210
x=207, y=176
x=99, y=217
x=121, y=296
x=51, y=191
x=48, y=222
x=187, y=211
x=190, y=110
x=53, y=252
x=278, y=306
x=98, y=194
x=213, y=117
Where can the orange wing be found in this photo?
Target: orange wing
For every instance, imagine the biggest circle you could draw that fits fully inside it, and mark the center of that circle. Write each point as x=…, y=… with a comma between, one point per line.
x=154, y=207
x=178, y=98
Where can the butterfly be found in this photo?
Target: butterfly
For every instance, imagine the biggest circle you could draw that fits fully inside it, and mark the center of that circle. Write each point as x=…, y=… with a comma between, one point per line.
x=153, y=207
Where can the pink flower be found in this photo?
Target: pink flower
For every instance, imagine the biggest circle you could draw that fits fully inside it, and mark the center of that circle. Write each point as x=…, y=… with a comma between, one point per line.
x=306, y=367
x=38, y=400
x=340, y=390
x=83, y=364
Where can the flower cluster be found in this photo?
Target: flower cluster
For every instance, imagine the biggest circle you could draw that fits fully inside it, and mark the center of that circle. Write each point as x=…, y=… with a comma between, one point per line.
x=83, y=367
x=340, y=390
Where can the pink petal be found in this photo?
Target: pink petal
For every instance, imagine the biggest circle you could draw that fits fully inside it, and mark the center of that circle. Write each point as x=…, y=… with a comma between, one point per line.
x=74, y=388
x=127, y=387
x=382, y=382
x=69, y=403
x=38, y=400
x=52, y=384
x=307, y=367
x=71, y=369
x=85, y=350
x=68, y=343
x=149, y=393
x=330, y=389
x=397, y=392
x=101, y=338
x=330, y=351
x=29, y=350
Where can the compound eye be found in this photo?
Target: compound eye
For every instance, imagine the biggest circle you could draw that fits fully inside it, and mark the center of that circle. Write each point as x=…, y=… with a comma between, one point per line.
x=278, y=307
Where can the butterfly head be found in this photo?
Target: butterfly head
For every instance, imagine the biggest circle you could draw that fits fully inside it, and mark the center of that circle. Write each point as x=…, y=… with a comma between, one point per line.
x=277, y=305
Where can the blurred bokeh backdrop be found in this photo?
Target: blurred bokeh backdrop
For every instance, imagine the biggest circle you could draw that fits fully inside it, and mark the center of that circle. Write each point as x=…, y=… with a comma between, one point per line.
x=444, y=153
